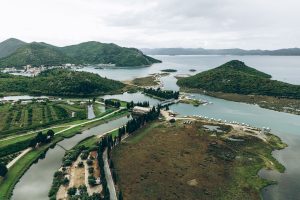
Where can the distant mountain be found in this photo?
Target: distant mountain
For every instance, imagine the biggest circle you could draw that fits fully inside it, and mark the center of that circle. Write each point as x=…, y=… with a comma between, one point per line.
x=9, y=46
x=236, y=77
x=60, y=82
x=201, y=51
x=37, y=54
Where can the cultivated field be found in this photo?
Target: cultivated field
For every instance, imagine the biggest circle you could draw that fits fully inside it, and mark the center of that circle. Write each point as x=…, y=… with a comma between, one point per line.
x=16, y=117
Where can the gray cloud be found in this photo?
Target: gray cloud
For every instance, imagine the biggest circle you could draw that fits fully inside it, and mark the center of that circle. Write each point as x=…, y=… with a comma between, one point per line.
x=249, y=24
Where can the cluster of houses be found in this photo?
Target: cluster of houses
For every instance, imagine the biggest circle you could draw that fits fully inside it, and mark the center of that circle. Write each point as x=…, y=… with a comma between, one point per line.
x=29, y=70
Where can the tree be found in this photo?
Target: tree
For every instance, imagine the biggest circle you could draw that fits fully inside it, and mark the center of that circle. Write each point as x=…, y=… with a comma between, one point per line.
x=120, y=195
x=39, y=137
x=33, y=143
x=50, y=133
x=167, y=107
x=82, y=189
x=3, y=170
x=72, y=191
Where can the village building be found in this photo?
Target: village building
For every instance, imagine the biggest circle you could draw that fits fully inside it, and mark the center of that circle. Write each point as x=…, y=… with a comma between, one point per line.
x=140, y=110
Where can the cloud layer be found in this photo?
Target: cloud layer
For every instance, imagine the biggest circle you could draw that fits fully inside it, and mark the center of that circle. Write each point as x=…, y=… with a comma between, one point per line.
x=249, y=24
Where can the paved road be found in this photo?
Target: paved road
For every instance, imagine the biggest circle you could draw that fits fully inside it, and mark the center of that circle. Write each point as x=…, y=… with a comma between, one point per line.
x=109, y=179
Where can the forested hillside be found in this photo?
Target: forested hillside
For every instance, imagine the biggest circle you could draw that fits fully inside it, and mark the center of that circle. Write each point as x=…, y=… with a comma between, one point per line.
x=59, y=82
x=38, y=53
x=236, y=77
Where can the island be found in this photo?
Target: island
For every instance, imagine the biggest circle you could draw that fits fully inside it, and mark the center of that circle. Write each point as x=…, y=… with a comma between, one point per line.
x=237, y=82
x=168, y=70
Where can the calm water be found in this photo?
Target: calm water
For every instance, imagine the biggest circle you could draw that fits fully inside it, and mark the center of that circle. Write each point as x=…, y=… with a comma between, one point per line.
x=36, y=182
x=284, y=68
x=91, y=114
x=284, y=125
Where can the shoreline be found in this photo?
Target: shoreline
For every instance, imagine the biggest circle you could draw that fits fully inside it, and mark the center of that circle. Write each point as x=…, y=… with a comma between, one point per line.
x=267, y=102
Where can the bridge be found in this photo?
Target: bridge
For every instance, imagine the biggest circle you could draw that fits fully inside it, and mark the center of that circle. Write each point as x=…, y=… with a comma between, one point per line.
x=168, y=102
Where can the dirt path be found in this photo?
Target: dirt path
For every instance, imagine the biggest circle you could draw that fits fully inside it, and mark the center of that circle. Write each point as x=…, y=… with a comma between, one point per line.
x=108, y=176
x=11, y=163
x=72, y=126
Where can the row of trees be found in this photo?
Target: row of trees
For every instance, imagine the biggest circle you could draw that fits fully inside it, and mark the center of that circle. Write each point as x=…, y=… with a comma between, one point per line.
x=141, y=104
x=165, y=94
x=137, y=122
x=109, y=142
x=113, y=103
x=104, y=143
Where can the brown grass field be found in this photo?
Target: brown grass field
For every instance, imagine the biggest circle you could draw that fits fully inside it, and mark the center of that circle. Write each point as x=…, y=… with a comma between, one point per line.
x=178, y=161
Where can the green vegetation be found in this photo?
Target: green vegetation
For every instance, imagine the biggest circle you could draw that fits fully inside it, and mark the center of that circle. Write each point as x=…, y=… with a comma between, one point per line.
x=164, y=94
x=169, y=70
x=20, y=167
x=194, y=102
x=9, y=46
x=37, y=54
x=18, y=117
x=3, y=170
x=236, y=77
x=60, y=82
x=96, y=52
x=145, y=81
x=58, y=179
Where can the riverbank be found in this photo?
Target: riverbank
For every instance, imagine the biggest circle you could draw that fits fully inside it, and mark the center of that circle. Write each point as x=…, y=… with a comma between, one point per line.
x=153, y=80
x=273, y=103
x=188, y=161
x=21, y=166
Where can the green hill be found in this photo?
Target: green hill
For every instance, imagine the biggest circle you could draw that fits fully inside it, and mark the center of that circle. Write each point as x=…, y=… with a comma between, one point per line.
x=236, y=77
x=96, y=52
x=9, y=46
x=37, y=54
x=60, y=82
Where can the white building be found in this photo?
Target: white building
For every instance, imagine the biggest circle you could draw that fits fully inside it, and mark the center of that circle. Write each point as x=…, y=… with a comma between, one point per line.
x=140, y=110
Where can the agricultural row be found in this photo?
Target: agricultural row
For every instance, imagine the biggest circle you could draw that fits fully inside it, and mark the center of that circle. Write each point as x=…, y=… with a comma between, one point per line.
x=16, y=117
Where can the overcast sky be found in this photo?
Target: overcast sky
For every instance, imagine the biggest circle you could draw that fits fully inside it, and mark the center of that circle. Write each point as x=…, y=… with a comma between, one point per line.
x=248, y=24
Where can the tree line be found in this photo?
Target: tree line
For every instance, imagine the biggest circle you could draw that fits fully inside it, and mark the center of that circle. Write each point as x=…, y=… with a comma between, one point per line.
x=131, y=104
x=165, y=94
x=137, y=122
x=109, y=142
x=113, y=103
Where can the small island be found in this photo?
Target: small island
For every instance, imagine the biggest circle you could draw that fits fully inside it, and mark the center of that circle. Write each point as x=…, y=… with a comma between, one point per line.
x=169, y=70
x=237, y=82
